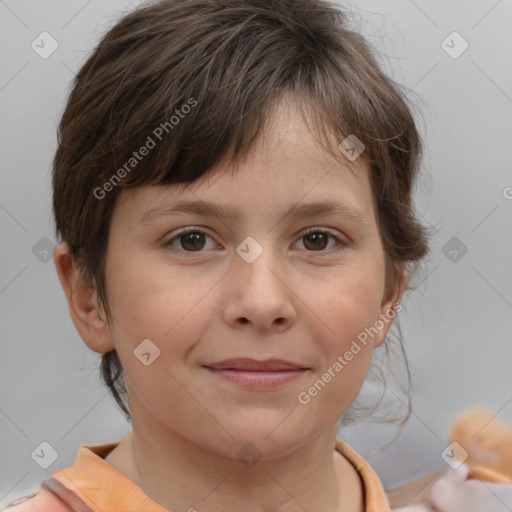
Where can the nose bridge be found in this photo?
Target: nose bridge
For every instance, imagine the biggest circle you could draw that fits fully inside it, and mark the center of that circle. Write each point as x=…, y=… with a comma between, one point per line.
x=261, y=295
x=259, y=260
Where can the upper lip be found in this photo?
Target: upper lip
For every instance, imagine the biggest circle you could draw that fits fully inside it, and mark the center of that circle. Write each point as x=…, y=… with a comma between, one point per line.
x=249, y=364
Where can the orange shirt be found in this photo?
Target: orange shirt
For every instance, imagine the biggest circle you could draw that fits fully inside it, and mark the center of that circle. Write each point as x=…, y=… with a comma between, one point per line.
x=91, y=484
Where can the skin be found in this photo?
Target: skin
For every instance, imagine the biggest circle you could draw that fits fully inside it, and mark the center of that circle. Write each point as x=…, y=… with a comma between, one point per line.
x=293, y=302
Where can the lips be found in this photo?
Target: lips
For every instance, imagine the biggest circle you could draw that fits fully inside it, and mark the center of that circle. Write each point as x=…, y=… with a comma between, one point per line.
x=254, y=365
x=254, y=375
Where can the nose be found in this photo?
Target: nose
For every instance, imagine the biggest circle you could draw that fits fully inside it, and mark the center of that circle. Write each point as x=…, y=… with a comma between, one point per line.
x=258, y=295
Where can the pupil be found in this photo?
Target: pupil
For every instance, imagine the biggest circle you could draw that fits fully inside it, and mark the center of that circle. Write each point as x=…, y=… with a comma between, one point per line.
x=317, y=237
x=194, y=238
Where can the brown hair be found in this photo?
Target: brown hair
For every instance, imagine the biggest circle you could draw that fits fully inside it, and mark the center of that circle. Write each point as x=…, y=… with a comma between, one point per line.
x=228, y=62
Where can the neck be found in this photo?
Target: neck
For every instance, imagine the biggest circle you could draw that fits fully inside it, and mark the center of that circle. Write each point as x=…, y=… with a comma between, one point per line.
x=313, y=477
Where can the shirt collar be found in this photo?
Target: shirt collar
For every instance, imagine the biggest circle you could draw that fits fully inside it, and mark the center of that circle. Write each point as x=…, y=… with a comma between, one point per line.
x=101, y=487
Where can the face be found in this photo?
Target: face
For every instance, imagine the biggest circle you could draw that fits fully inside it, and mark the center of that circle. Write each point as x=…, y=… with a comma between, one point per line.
x=259, y=284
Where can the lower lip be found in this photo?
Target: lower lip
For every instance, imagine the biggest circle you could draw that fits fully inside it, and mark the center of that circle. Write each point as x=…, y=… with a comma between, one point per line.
x=258, y=379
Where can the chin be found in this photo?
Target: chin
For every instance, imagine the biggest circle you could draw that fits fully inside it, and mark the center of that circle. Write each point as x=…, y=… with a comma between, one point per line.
x=267, y=440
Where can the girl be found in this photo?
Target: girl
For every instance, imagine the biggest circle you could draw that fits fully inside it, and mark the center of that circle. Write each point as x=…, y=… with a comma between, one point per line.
x=233, y=192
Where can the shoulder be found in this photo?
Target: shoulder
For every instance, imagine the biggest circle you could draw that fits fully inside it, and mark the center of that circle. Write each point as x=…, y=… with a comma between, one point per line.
x=43, y=501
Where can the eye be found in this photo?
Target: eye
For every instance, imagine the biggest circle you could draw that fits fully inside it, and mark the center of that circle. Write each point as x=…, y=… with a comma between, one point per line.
x=193, y=239
x=189, y=239
x=316, y=240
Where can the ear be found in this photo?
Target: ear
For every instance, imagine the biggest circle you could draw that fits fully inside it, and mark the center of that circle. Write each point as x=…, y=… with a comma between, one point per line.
x=86, y=313
x=389, y=308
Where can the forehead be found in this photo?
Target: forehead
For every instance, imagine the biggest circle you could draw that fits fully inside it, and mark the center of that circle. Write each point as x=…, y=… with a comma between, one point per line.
x=292, y=134
x=286, y=166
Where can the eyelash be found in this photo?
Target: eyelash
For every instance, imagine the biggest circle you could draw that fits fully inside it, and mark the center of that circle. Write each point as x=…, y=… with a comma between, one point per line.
x=341, y=244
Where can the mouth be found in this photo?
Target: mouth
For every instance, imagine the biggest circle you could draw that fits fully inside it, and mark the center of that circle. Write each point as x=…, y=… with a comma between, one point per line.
x=251, y=373
x=254, y=365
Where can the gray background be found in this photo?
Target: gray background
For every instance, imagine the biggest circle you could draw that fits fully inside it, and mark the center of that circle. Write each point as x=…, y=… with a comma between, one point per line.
x=456, y=326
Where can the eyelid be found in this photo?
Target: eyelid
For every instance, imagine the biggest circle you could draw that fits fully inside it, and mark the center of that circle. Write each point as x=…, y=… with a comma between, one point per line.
x=334, y=233
x=183, y=231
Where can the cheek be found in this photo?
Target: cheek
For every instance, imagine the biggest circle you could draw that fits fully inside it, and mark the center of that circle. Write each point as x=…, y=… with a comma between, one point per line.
x=151, y=300
x=347, y=352
x=351, y=304
x=332, y=390
x=348, y=313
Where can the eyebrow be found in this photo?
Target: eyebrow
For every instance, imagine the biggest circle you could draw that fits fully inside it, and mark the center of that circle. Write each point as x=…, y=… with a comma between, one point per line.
x=208, y=209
